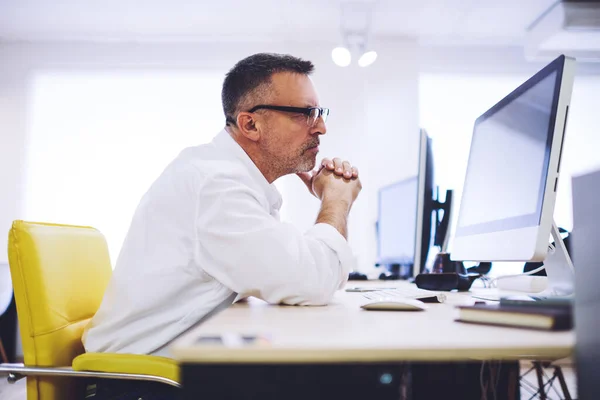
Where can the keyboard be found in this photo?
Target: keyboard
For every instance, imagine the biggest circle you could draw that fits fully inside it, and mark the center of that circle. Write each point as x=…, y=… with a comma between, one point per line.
x=409, y=292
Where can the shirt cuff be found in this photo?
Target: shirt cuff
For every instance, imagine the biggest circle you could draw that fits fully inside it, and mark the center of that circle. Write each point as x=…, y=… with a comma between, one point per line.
x=336, y=242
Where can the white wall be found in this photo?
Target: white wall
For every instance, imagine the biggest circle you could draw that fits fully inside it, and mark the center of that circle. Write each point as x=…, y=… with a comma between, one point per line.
x=582, y=142
x=366, y=105
x=13, y=125
x=97, y=140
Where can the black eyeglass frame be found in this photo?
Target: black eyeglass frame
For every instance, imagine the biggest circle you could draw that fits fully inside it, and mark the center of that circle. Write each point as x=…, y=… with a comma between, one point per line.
x=322, y=111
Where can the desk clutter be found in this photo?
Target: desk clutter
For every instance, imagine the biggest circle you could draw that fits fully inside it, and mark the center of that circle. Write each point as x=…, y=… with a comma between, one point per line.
x=551, y=314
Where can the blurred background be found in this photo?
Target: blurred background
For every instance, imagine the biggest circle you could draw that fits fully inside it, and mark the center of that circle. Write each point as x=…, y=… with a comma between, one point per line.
x=97, y=97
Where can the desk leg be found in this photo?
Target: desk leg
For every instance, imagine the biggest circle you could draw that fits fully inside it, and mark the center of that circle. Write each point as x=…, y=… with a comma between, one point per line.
x=293, y=381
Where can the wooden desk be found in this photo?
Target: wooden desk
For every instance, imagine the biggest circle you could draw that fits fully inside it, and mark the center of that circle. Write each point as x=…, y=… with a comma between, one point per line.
x=343, y=334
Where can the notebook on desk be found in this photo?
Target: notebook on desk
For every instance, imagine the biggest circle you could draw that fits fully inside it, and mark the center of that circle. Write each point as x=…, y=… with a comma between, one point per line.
x=544, y=318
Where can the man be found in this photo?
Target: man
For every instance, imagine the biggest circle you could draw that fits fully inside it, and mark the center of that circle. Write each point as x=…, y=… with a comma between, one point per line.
x=208, y=230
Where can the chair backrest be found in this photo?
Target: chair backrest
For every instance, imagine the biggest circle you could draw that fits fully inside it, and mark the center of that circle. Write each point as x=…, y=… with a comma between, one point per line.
x=59, y=274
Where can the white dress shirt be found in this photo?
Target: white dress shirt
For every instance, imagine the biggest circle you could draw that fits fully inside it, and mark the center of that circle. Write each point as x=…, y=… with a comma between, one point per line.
x=208, y=231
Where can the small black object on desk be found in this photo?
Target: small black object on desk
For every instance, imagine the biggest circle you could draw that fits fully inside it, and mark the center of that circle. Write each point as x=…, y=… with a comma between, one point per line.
x=395, y=271
x=446, y=275
x=357, y=276
x=389, y=276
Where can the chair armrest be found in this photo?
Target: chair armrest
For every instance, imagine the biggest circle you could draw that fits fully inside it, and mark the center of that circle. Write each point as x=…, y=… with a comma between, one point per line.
x=18, y=371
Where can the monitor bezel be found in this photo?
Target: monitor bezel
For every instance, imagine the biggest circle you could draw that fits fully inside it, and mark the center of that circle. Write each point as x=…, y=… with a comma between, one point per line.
x=424, y=158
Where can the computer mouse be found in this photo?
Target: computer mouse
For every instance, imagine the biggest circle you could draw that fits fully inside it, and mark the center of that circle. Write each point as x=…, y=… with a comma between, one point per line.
x=395, y=305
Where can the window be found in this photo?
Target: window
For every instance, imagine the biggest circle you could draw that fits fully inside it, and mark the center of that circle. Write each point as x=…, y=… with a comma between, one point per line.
x=97, y=140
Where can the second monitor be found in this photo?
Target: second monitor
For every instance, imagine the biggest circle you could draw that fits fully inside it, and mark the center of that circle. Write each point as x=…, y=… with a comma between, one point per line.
x=406, y=224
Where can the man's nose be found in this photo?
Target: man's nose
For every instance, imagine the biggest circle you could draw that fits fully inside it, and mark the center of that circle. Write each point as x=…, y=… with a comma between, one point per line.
x=320, y=127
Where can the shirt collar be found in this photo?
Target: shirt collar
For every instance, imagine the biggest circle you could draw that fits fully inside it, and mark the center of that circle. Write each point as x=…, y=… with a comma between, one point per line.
x=224, y=140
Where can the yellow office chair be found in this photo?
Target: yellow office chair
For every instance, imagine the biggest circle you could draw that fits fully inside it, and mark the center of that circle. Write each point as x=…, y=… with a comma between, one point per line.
x=59, y=275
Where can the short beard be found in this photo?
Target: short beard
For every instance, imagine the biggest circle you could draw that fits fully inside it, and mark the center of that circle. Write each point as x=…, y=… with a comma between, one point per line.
x=303, y=161
x=307, y=163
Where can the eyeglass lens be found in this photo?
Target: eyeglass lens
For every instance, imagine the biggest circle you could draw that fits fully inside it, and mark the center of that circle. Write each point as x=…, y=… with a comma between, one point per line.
x=314, y=115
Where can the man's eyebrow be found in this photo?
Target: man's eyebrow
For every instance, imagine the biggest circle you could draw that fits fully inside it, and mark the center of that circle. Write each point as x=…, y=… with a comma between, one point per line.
x=303, y=104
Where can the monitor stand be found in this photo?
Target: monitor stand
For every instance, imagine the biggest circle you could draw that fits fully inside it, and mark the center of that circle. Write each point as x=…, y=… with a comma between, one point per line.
x=559, y=268
x=560, y=274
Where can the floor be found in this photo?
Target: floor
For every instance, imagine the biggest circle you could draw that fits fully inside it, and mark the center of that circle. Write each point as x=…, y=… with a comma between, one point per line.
x=16, y=391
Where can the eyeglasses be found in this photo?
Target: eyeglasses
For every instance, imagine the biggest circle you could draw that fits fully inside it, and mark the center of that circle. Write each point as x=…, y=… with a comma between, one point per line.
x=312, y=113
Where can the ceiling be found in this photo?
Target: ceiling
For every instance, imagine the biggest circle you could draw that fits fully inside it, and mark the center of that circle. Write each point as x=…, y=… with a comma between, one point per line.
x=441, y=22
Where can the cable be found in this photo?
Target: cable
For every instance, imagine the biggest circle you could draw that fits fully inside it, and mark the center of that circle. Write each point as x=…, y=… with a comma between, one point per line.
x=483, y=387
x=485, y=279
x=499, y=366
x=493, y=281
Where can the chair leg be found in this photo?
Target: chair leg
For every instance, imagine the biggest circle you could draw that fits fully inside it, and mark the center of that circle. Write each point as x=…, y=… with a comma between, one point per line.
x=540, y=377
x=563, y=384
x=3, y=353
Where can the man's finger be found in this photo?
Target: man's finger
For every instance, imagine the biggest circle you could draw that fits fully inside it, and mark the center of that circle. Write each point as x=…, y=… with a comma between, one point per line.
x=354, y=172
x=327, y=163
x=347, y=169
x=339, y=167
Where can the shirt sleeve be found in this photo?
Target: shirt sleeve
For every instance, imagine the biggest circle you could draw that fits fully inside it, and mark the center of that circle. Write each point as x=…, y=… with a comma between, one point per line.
x=246, y=249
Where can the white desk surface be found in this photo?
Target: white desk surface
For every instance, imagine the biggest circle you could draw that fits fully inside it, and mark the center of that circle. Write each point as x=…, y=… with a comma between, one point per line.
x=343, y=332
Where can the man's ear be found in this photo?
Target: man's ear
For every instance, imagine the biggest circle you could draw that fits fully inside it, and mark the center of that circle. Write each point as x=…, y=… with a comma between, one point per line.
x=248, y=126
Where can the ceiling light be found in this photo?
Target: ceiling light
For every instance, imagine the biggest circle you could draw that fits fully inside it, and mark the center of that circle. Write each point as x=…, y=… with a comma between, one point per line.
x=341, y=56
x=367, y=59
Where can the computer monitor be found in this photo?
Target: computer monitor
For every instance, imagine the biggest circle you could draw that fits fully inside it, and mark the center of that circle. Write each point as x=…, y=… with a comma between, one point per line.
x=397, y=223
x=507, y=206
x=405, y=222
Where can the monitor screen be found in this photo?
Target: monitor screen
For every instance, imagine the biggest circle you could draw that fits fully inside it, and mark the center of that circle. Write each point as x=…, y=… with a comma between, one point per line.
x=398, y=222
x=508, y=164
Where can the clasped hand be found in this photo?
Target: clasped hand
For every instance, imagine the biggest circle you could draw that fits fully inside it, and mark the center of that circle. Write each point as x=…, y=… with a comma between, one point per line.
x=335, y=167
